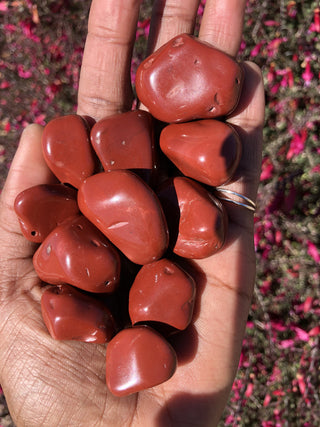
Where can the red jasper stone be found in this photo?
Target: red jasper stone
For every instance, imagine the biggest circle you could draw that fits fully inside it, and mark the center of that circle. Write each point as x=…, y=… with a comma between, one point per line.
x=125, y=141
x=43, y=207
x=128, y=212
x=77, y=253
x=187, y=79
x=162, y=292
x=67, y=149
x=138, y=358
x=197, y=220
x=206, y=150
x=71, y=315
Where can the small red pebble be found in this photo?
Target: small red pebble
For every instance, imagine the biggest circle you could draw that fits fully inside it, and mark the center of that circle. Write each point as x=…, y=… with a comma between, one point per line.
x=128, y=212
x=208, y=151
x=162, y=292
x=71, y=315
x=187, y=79
x=78, y=253
x=67, y=149
x=43, y=207
x=197, y=220
x=125, y=141
x=138, y=358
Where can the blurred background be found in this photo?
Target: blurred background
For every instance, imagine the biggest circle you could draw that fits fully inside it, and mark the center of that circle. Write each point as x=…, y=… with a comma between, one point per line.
x=278, y=382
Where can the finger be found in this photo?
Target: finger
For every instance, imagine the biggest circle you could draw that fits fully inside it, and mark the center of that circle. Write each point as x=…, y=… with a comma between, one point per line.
x=28, y=169
x=169, y=19
x=222, y=24
x=248, y=119
x=104, y=86
x=226, y=280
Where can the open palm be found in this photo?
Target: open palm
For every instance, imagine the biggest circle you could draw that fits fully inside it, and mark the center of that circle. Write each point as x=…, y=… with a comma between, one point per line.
x=53, y=383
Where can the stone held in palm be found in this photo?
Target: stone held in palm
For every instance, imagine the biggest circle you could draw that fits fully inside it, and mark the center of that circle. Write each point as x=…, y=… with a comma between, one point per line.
x=78, y=253
x=187, y=79
x=128, y=212
x=162, y=292
x=208, y=151
x=72, y=315
x=43, y=207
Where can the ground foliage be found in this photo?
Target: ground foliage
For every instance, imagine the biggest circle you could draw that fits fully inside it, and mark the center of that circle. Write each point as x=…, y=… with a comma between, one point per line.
x=278, y=381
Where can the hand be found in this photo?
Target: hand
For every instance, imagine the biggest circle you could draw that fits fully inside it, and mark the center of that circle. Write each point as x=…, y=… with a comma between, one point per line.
x=52, y=383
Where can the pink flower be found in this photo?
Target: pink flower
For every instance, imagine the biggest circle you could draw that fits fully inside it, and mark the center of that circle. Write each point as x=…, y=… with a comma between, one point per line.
x=40, y=119
x=4, y=84
x=313, y=251
x=229, y=419
x=307, y=304
x=267, y=169
x=286, y=343
x=242, y=46
x=27, y=29
x=249, y=390
x=10, y=28
x=265, y=287
x=143, y=28
x=275, y=88
x=271, y=23
x=278, y=236
x=315, y=26
x=307, y=75
x=297, y=143
x=25, y=74
x=3, y=6
x=301, y=384
x=301, y=334
x=273, y=46
x=314, y=331
x=278, y=326
x=278, y=393
x=267, y=400
x=255, y=51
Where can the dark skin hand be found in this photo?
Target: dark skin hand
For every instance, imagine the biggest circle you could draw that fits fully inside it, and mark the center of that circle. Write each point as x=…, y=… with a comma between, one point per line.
x=53, y=383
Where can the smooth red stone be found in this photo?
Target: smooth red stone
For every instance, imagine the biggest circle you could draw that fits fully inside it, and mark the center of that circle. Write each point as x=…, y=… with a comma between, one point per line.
x=206, y=150
x=125, y=141
x=187, y=79
x=162, y=292
x=43, y=207
x=197, y=220
x=77, y=253
x=128, y=212
x=71, y=315
x=67, y=149
x=138, y=358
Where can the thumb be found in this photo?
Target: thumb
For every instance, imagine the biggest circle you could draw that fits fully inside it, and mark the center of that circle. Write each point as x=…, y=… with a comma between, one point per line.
x=28, y=169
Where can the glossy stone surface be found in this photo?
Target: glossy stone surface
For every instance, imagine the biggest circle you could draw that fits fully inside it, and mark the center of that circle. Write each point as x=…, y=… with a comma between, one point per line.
x=71, y=315
x=77, y=253
x=197, y=220
x=42, y=207
x=125, y=141
x=138, y=358
x=206, y=150
x=187, y=79
x=162, y=292
x=128, y=212
x=67, y=149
